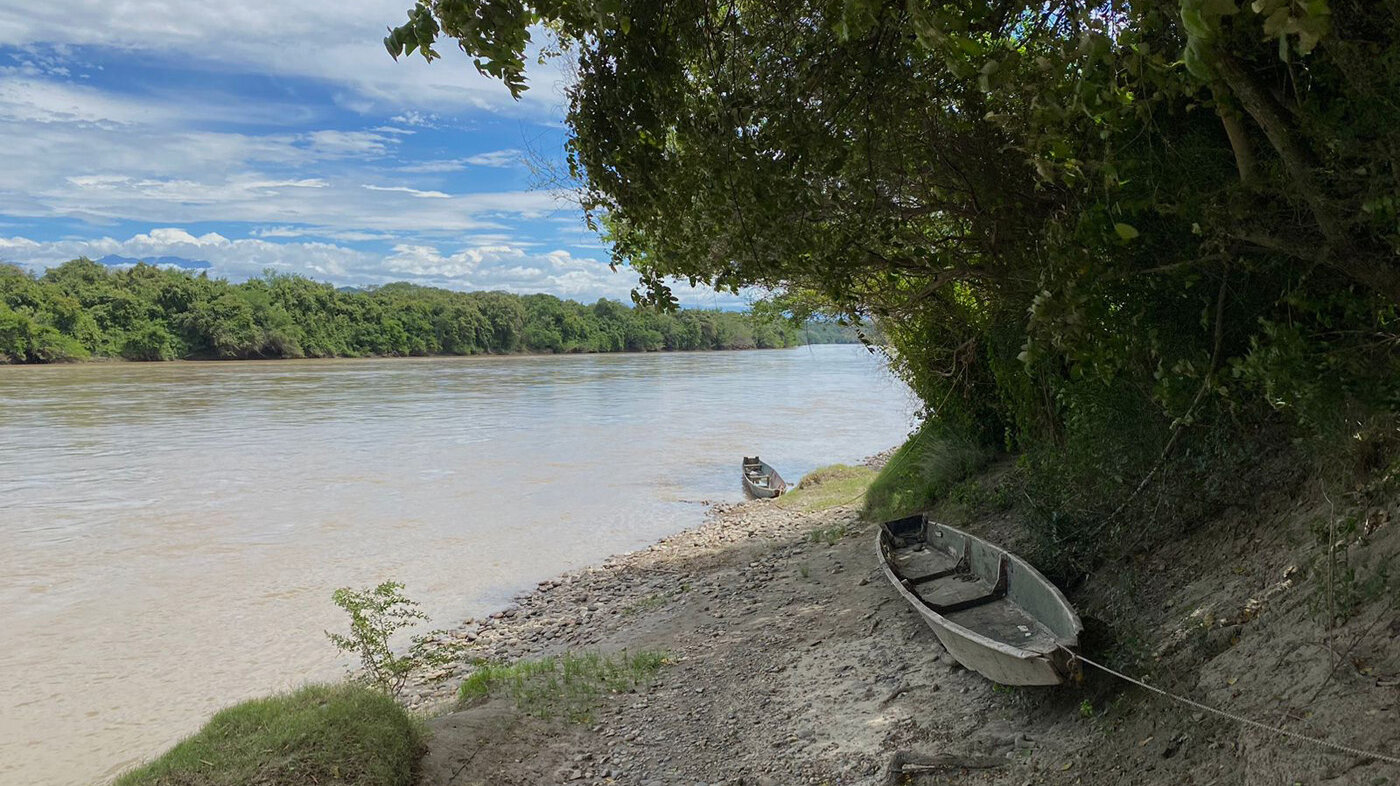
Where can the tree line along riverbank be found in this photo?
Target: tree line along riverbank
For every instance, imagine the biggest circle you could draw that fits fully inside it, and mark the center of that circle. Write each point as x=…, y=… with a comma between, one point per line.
x=82, y=309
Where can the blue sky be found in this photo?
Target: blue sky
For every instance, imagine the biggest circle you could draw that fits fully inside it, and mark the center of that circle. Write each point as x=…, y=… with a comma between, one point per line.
x=261, y=134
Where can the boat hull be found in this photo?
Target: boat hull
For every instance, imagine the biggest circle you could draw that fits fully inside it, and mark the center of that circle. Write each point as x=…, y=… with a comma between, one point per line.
x=761, y=480
x=1044, y=660
x=759, y=492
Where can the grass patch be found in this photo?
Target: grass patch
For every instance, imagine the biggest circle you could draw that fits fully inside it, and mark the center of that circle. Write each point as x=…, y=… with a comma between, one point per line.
x=348, y=735
x=828, y=535
x=923, y=471
x=654, y=601
x=828, y=487
x=568, y=686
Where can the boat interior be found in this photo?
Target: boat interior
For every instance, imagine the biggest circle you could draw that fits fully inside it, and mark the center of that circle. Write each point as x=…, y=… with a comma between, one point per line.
x=758, y=474
x=973, y=584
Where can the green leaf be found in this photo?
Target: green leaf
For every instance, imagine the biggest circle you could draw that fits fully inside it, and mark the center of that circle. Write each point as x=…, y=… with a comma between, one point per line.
x=1195, y=24
x=1126, y=231
x=1219, y=7
x=1275, y=23
x=925, y=31
x=1195, y=63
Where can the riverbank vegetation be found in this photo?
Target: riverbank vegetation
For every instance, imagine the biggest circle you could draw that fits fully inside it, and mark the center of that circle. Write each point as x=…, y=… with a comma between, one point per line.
x=827, y=487
x=83, y=309
x=343, y=734
x=1139, y=244
x=567, y=686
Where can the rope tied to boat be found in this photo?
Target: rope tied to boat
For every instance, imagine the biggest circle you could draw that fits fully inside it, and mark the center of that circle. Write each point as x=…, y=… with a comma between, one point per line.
x=1235, y=717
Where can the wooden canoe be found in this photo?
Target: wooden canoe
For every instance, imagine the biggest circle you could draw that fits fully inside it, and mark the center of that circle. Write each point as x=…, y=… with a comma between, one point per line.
x=761, y=480
x=993, y=612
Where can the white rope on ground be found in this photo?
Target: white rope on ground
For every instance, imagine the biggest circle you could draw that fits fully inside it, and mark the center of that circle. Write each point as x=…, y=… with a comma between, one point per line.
x=1239, y=718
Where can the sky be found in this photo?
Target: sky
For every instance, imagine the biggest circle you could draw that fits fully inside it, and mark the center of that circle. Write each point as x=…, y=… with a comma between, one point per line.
x=258, y=134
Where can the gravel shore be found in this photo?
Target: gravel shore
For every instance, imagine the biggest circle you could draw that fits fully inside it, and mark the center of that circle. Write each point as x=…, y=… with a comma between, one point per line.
x=791, y=661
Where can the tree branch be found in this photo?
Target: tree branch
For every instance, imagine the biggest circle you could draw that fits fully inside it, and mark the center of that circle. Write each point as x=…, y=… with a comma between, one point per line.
x=1339, y=252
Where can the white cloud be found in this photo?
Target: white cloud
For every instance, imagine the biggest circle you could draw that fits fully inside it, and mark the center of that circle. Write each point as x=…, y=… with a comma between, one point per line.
x=412, y=118
x=437, y=166
x=499, y=265
x=339, y=43
x=101, y=173
x=349, y=144
x=40, y=99
x=311, y=195
x=331, y=233
x=173, y=236
x=236, y=259
x=492, y=263
x=20, y=247
x=47, y=101
x=496, y=158
x=411, y=191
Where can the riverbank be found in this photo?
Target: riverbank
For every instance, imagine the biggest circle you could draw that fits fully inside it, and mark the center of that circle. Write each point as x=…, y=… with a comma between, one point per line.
x=98, y=360
x=792, y=661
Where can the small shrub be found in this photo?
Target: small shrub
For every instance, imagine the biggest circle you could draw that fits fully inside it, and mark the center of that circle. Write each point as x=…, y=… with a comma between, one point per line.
x=828, y=535
x=333, y=734
x=375, y=616
x=968, y=493
x=1350, y=590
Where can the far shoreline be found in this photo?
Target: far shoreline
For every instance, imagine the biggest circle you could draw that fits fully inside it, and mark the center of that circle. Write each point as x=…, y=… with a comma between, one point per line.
x=486, y=356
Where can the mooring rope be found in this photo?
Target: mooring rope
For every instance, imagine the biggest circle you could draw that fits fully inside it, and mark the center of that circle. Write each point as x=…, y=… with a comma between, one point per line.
x=1238, y=718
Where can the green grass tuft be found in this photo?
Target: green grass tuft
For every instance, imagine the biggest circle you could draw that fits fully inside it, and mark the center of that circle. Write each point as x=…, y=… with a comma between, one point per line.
x=828, y=487
x=654, y=601
x=568, y=686
x=923, y=471
x=347, y=735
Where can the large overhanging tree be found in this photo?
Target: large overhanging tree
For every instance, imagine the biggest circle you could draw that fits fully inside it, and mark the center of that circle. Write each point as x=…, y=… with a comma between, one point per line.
x=1193, y=201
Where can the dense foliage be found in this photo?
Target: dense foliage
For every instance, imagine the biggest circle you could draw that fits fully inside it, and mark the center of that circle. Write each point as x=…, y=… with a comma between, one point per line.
x=1125, y=238
x=82, y=309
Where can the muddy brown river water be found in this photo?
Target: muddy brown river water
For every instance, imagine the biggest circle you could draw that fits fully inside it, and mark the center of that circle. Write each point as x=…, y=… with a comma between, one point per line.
x=170, y=534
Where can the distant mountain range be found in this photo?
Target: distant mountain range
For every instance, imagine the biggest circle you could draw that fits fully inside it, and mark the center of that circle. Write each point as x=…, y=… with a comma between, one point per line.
x=112, y=260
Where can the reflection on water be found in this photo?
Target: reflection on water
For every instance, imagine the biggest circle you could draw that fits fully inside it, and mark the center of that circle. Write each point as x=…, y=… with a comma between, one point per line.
x=170, y=533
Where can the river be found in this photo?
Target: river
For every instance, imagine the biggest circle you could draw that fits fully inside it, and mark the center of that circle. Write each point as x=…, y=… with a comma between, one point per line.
x=170, y=534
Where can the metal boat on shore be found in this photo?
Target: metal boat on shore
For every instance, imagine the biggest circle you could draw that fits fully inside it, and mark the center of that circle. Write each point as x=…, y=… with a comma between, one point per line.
x=993, y=612
x=761, y=480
